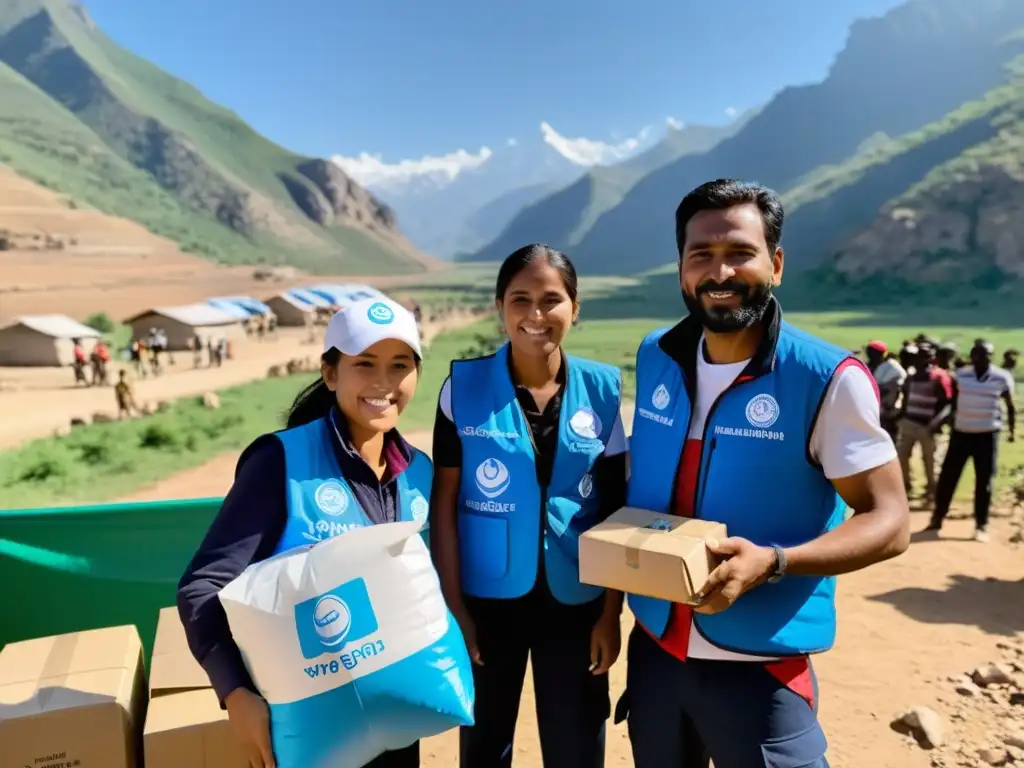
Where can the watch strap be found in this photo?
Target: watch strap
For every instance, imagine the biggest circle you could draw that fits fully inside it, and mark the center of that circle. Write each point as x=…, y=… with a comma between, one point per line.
x=781, y=563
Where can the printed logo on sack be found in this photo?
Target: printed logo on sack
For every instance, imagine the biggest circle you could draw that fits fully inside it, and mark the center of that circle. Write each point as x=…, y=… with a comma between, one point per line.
x=492, y=478
x=380, y=313
x=661, y=398
x=762, y=411
x=586, y=486
x=332, y=498
x=334, y=622
x=419, y=508
x=586, y=424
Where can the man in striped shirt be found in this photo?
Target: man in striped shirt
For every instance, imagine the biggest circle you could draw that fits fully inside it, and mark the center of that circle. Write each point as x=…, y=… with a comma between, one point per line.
x=926, y=405
x=977, y=426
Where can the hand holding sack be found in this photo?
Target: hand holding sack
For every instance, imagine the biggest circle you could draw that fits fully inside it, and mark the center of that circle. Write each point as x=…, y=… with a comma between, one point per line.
x=352, y=645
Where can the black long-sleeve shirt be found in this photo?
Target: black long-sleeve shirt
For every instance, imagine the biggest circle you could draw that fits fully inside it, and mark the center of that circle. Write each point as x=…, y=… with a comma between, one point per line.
x=247, y=530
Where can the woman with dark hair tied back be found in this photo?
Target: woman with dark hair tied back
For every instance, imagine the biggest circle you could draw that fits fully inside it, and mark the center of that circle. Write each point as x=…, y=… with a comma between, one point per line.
x=341, y=434
x=530, y=453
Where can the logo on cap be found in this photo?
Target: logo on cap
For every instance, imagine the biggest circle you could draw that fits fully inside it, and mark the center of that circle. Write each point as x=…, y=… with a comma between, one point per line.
x=380, y=313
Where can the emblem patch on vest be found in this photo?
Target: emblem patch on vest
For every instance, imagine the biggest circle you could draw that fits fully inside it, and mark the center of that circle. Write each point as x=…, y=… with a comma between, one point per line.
x=380, y=313
x=332, y=498
x=661, y=398
x=586, y=486
x=492, y=478
x=419, y=508
x=586, y=424
x=762, y=411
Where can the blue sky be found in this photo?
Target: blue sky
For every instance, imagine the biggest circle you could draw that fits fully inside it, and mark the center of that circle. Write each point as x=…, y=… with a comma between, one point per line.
x=404, y=79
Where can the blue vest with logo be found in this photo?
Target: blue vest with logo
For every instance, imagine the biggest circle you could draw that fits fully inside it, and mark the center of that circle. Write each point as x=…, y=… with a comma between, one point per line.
x=505, y=516
x=756, y=476
x=321, y=503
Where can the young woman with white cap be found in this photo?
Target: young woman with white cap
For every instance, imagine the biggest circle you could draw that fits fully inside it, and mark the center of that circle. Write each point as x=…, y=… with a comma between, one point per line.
x=341, y=436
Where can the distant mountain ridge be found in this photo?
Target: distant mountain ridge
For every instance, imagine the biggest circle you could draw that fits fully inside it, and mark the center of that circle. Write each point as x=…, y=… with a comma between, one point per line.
x=220, y=189
x=896, y=74
x=566, y=214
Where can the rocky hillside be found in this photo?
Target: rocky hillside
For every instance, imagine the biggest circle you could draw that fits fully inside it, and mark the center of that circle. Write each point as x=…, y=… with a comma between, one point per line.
x=223, y=190
x=957, y=222
x=896, y=74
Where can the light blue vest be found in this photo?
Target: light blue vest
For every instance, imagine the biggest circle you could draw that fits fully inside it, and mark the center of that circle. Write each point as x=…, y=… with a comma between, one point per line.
x=321, y=503
x=756, y=476
x=505, y=516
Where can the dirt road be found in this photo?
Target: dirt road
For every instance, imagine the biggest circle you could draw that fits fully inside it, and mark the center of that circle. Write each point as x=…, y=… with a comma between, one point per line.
x=905, y=627
x=44, y=399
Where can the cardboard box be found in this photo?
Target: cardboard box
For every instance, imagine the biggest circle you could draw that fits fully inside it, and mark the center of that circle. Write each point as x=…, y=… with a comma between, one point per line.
x=72, y=701
x=185, y=725
x=648, y=553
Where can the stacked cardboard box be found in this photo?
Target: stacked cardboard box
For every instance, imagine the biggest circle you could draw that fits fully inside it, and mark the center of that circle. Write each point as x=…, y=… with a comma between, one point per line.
x=185, y=725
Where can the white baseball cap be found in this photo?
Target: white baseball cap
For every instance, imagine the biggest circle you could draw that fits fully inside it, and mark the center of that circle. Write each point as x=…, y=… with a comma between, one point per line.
x=362, y=324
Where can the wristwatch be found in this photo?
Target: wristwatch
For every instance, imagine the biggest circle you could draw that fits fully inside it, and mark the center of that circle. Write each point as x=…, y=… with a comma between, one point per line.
x=780, y=565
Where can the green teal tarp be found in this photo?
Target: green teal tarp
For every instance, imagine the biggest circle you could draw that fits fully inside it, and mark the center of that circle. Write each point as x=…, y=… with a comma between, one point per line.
x=65, y=569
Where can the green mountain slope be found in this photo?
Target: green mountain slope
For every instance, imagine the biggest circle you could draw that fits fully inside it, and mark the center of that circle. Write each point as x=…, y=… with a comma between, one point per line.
x=896, y=74
x=222, y=189
x=957, y=223
x=566, y=216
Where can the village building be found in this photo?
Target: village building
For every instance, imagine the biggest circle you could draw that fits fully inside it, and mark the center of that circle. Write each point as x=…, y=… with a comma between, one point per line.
x=184, y=323
x=44, y=340
x=296, y=307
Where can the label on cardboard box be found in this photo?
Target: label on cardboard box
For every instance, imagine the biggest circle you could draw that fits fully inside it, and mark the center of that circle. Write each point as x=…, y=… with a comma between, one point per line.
x=649, y=553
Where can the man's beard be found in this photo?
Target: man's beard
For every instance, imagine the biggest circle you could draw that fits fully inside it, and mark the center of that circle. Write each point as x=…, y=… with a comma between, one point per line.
x=754, y=300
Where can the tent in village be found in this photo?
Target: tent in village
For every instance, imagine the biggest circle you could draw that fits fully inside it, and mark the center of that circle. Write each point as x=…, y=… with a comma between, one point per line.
x=44, y=340
x=248, y=305
x=183, y=323
x=296, y=306
x=340, y=295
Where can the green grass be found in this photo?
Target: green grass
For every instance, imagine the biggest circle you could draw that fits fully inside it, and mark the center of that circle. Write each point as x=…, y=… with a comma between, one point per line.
x=99, y=462
x=108, y=461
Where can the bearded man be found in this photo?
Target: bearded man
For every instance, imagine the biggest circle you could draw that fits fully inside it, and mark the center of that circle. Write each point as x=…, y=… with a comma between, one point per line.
x=743, y=419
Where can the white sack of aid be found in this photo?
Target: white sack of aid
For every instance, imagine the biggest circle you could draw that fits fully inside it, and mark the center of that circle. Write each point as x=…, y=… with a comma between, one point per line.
x=352, y=646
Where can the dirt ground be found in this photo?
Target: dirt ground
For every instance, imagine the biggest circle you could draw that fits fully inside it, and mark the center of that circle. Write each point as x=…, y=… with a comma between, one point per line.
x=108, y=264
x=905, y=627
x=36, y=401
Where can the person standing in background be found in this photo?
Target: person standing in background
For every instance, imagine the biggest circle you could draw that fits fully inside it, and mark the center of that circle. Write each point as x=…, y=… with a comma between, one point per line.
x=926, y=405
x=979, y=394
x=889, y=376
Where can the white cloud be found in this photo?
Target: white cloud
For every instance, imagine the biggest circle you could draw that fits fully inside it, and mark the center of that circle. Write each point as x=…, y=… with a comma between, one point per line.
x=731, y=112
x=587, y=152
x=512, y=142
x=674, y=124
x=371, y=170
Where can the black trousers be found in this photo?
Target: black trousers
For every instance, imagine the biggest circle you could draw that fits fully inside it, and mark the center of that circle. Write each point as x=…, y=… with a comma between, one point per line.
x=572, y=703
x=398, y=758
x=983, y=449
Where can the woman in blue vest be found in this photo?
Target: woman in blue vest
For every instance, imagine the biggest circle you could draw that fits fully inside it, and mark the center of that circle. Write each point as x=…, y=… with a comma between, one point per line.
x=340, y=464
x=530, y=453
